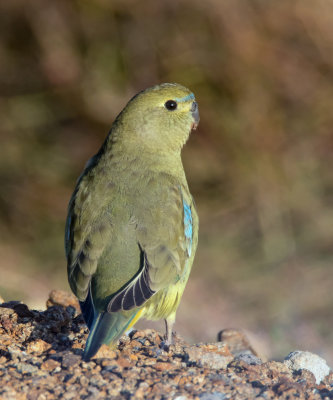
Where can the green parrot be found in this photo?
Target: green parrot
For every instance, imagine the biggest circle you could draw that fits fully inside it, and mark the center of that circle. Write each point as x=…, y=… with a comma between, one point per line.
x=132, y=227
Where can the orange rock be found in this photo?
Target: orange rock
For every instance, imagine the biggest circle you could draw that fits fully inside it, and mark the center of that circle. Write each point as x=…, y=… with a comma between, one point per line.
x=106, y=352
x=135, y=343
x=77, y=345
x=62, y=298
x=142, y=391
x=50, y=365
x=163, y=366
x=219, y=348
x=134, y=357
x=183, y=380
x=38, y=346
x=123, y=362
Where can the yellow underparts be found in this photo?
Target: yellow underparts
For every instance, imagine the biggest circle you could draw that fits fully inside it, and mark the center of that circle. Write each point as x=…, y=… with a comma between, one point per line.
x=164, y=303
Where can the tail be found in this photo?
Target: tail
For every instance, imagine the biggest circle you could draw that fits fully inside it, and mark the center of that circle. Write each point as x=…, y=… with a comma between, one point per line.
x=107, y=328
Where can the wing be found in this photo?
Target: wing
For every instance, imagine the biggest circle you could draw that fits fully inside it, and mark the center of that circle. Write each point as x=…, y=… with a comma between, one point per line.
x=84, y=252
x=84, y=245
x=136, y=293
x=84, y=241
x=164, y=259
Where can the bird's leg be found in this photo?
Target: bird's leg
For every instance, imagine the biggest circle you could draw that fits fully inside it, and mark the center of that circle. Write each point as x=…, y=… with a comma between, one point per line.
x=169, y=322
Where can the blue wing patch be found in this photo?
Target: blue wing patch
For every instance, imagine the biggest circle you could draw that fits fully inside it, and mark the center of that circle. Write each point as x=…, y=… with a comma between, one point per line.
x=188, y=226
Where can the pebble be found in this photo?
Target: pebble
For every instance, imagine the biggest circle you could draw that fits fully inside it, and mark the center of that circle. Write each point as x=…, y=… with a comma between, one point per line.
x=249, y=358
x=213, y=396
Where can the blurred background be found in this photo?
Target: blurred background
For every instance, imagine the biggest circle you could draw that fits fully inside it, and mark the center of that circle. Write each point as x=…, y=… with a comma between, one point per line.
x=259, y=166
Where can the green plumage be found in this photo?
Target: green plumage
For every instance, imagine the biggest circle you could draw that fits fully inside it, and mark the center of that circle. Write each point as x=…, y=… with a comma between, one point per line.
x=132, y=228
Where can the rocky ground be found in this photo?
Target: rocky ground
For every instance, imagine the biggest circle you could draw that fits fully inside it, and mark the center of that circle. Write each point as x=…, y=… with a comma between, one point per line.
x=40, y=358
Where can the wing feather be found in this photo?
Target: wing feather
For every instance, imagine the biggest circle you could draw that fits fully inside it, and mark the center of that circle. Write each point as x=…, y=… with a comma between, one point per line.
x=136, y=293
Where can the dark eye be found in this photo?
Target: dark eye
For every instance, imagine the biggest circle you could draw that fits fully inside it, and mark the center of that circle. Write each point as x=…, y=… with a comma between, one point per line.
x=171, y=105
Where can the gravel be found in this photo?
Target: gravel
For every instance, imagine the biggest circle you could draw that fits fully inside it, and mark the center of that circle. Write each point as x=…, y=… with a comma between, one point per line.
x=41, y=358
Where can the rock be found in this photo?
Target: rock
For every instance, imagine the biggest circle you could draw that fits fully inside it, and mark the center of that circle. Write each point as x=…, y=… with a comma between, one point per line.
x=124, y=362
x=298, y=360
x=70, y=360
x=50, y=365
x=249, y=358
x=237, y=342
x=22, y=310
x=213, y=396
x=62, y=298
x=38, y=346
x=215, y=355
x=25, y=368
x=164, y=366
x=106, y=352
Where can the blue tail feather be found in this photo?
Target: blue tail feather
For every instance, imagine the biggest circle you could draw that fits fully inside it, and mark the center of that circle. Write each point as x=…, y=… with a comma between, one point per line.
x=105, y=328
x=88, y=310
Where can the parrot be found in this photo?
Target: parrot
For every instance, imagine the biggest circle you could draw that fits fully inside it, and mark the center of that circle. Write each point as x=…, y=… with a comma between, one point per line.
x=132, y=226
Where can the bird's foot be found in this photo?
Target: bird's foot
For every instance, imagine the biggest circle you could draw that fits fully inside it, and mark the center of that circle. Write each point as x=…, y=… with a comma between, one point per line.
x=168, y=343
x=165, y=346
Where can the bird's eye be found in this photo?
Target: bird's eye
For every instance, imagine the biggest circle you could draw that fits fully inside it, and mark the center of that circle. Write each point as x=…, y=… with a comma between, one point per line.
x=171, y=105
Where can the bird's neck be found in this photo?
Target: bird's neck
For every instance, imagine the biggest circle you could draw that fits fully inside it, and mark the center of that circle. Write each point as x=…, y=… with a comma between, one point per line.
x=138, y=156
x=165, y=163
x=150, y=164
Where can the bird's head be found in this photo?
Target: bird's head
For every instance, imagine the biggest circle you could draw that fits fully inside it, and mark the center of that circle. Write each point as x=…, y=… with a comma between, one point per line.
x=160, y=118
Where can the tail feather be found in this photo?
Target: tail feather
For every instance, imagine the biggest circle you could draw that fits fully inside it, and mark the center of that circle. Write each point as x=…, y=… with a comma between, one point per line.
x=106, y=328
x=88, y=310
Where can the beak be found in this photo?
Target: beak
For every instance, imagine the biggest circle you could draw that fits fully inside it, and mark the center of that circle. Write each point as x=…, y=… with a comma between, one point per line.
x=195, y=114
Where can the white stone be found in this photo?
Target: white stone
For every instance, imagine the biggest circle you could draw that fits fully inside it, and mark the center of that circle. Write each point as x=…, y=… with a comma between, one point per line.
x=297, y=360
